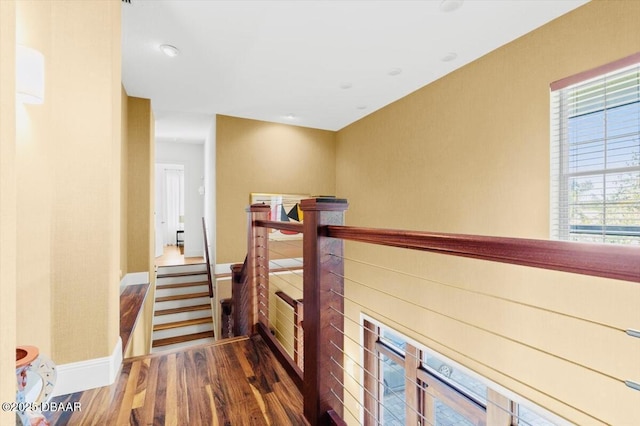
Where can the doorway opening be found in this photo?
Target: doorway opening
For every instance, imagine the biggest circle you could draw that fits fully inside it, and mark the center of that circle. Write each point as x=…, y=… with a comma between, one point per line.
x=170, y=213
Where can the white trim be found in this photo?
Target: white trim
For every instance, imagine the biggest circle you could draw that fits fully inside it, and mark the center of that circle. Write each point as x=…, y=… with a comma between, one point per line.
x=134, y=278
x=89, y=374
x=224, y=268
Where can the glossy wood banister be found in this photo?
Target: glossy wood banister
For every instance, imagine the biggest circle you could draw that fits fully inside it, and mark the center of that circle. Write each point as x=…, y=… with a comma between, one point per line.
x=287, y=299
x=601, y=260
x=281, y=226
x=206, y=258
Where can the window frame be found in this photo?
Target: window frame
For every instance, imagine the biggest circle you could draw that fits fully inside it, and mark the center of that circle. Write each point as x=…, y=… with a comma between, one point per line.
x=561, y=228
x=502, y=405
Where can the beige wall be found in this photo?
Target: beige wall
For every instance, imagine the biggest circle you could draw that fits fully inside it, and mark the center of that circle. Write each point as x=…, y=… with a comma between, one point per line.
x=7, y=206
x=124, y=182
x=470, y=154
x=256, y=156
x=68, y=183
x=140, y=189
x=34, y=186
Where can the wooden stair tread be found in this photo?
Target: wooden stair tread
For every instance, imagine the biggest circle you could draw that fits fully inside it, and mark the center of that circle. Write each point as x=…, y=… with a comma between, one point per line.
x=183, y=323
x=182, y=296
x=181, y=274
x=184, y=309
x=180, y=285
x=181, y=339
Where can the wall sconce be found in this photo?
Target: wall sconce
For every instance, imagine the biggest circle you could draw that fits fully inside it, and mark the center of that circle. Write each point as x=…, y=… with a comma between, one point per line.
x=29, y=75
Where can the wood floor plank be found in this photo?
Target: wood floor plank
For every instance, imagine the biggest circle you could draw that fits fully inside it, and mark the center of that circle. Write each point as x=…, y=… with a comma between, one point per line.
x=124, y=411
x=161, y=392
x=171, y=403
x=182, y=389
x=150, y=391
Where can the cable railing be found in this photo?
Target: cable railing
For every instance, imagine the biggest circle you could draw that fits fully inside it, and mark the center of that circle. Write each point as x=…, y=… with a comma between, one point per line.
x=206, y=258
x=343, y=368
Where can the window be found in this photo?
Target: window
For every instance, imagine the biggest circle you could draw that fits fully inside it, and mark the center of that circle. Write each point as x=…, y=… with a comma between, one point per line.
x=595, y=155
x=408, y=383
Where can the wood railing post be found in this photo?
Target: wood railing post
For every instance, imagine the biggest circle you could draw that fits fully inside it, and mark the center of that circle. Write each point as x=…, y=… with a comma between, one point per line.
x=241, y=300
x=323, y=310
x=258, y=265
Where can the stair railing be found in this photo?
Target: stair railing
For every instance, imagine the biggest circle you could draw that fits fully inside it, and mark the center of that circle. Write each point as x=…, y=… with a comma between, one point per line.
x=321, y=380
x=206, y=258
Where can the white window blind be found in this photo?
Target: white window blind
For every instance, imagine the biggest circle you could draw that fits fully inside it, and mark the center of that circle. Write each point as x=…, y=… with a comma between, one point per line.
x=595, y=158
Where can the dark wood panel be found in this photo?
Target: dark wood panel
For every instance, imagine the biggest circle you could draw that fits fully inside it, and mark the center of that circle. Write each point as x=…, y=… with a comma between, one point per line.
x=131, y=301
x=282, y=226
x=602, y=260
x=206, y=257
x=236, y=383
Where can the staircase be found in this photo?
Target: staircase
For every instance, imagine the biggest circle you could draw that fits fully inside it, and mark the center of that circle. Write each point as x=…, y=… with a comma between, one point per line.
x=183, y=314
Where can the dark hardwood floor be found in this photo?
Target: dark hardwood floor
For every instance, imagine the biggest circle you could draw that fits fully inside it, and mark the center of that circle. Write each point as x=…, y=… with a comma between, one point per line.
x=237, y=382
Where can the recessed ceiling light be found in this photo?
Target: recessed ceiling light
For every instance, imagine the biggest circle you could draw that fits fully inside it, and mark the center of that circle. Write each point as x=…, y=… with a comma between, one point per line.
x=394, y=71
x=290, y=116
x=449, y=57
x=450, y=5
x=346, y=85
x=361, y=107
x=169, y=50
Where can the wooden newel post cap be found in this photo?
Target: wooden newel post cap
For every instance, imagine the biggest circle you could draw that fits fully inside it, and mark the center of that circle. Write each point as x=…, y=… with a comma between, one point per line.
x=258, y=208
x=324, y=204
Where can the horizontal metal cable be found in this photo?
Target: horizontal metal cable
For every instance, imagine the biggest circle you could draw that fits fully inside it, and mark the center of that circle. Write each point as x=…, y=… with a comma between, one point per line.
x=480, y=293
x=468, y=391
x=295, y=259
x=356, y=399
x=289, y=342
x=477, y=327
x=515, y=379
x=266, y=315
x=395, y=394
x=288, y=243
x=292, y=285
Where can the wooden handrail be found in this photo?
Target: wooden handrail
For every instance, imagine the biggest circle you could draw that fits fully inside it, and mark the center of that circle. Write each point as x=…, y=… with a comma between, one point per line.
x=288, y=299
x=281, y=226
x=206, y=258
x=601, y=260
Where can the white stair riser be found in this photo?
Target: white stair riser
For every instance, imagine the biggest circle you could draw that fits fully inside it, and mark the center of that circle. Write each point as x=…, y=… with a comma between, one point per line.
x=181, y=331
x=182, y=279
x=172, y=304
x=183, y=345
x=162, y=292
x=182, y=268
x=182, y=316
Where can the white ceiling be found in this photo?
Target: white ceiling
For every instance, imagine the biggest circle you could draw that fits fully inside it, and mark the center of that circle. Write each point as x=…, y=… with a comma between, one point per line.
x=266, y=59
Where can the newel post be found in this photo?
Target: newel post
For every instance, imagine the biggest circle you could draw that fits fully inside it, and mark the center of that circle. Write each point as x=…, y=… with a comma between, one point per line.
x=323, y=309
x=258, y=265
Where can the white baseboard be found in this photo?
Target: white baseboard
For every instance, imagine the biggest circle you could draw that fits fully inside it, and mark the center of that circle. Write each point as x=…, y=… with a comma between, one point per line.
x=133, y=279
x=89, y=374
